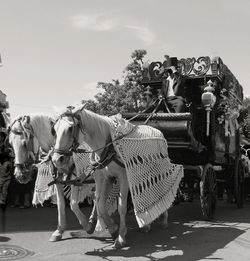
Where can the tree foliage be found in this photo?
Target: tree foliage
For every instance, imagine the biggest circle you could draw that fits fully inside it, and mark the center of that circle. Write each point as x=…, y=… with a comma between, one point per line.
x=133, y=77
x=117, y=97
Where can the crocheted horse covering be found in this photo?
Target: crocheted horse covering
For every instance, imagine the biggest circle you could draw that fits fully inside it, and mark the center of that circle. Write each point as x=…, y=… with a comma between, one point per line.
x=153, y=179
x=43, y=192
x=82, y=162
x=44, y=176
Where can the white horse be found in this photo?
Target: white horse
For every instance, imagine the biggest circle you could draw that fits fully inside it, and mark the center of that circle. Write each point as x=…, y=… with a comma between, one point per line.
x=27, y=134
x=76, y=126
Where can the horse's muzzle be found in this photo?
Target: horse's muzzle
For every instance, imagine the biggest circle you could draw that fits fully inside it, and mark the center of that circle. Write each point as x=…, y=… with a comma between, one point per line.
x=61, y=161
x=23, y=176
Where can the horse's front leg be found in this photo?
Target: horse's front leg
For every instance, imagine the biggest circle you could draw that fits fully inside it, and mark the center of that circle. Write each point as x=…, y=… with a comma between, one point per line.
x=57, y=234
x=103, y=188
x=74, y=205
x=122, y=209
x=92, y=220
x=164, y=222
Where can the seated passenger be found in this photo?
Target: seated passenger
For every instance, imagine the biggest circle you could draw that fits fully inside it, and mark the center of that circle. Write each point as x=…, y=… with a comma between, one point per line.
x=173, y=90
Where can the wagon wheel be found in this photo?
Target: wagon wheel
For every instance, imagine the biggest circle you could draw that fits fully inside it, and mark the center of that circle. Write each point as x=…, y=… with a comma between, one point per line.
x=208, y=191
x=239, y=183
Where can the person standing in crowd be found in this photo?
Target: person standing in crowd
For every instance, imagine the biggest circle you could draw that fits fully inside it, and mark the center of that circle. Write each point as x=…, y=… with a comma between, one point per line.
x=5, y=170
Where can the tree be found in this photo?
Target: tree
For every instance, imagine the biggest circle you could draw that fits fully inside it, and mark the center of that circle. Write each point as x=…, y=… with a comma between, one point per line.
x=119, y=98
x=133, y=77
x=113, y=99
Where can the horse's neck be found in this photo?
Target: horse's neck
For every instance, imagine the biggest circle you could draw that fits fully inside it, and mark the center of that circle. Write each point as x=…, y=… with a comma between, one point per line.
x=42, y=131
x=96, y=129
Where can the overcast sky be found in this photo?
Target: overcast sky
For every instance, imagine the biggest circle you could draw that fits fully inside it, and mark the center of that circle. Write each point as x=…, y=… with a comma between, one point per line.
x=55, y=51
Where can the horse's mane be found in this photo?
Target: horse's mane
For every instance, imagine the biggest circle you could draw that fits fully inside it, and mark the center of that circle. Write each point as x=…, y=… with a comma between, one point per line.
x=96, y=125
x=41, y=126
x=100, y=121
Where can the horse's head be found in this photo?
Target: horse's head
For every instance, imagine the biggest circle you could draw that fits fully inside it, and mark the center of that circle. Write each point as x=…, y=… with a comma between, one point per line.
x=25, y=148
x=66, y=130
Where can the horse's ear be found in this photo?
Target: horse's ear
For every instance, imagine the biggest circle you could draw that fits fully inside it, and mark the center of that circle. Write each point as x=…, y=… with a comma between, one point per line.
x=26, y=121
x=118, y=117
x=79, y=107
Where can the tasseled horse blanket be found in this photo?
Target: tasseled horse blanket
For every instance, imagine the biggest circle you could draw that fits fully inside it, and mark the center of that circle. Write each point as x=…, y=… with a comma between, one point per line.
x=153, y=179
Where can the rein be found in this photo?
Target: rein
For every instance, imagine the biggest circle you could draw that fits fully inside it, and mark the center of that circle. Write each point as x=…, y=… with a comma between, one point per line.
x=107, y=155
x=75, y=145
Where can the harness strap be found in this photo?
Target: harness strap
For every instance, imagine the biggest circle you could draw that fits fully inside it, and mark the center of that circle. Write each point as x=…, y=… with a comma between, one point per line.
x=118, y=161
x=109, y=154
x=68, y=180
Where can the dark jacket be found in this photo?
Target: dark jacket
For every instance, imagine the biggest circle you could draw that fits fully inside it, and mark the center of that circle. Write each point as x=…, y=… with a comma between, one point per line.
x=178, y=86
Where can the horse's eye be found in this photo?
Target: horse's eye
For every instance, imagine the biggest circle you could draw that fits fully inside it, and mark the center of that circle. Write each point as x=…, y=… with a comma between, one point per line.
x=24, y=144
x=53, y=132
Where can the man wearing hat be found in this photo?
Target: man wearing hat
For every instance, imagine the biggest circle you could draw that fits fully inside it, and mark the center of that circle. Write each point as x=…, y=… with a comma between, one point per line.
x=173, y=86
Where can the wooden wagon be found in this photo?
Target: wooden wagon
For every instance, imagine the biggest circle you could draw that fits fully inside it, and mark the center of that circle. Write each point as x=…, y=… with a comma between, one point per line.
x=205, y=138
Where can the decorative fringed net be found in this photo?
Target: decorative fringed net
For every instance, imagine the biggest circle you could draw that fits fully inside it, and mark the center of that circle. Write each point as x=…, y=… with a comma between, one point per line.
x=44, y=176
x=45, y=173
x=112, y=201
x=82, y=162
x=153, y=179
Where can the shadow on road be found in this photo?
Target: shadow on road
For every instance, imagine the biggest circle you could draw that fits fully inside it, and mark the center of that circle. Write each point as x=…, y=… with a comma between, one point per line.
x=187, y=238
x=178, y=243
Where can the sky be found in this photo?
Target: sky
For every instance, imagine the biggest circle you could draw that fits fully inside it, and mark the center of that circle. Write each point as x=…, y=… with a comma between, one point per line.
x=55, y=51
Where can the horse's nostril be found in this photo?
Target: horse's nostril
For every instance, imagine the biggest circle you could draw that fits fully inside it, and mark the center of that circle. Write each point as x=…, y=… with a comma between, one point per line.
x=61, y=159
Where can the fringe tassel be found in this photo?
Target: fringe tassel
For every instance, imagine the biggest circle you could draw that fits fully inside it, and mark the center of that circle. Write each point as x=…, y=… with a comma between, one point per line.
x=160, y=207
x=40, y=196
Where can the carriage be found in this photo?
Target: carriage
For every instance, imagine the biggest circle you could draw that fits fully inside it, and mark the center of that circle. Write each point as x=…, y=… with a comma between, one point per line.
x=205, y=138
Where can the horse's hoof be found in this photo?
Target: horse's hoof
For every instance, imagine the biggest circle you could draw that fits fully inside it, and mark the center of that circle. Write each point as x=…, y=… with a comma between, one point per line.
x=145, y=229
x=164, y=226
x=79, y=233
x=119, y=244
x=55, y=238
x=91, y=226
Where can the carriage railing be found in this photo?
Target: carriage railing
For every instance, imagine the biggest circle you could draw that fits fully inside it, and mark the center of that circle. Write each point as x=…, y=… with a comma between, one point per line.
x=212, y=95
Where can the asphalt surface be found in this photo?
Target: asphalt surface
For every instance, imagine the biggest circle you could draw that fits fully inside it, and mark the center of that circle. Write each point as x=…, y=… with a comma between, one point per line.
x=188, y=237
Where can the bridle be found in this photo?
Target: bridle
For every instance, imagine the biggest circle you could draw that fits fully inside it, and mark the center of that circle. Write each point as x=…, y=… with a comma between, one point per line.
x=77, y=127
x=29, y=140
x=108, y=152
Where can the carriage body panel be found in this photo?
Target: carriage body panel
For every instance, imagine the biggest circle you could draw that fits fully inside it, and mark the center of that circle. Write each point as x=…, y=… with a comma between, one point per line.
x=188, y=130
x=207, y=135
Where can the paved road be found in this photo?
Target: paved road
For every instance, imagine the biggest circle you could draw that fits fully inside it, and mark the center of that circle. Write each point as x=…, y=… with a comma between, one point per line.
x=188, y=238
